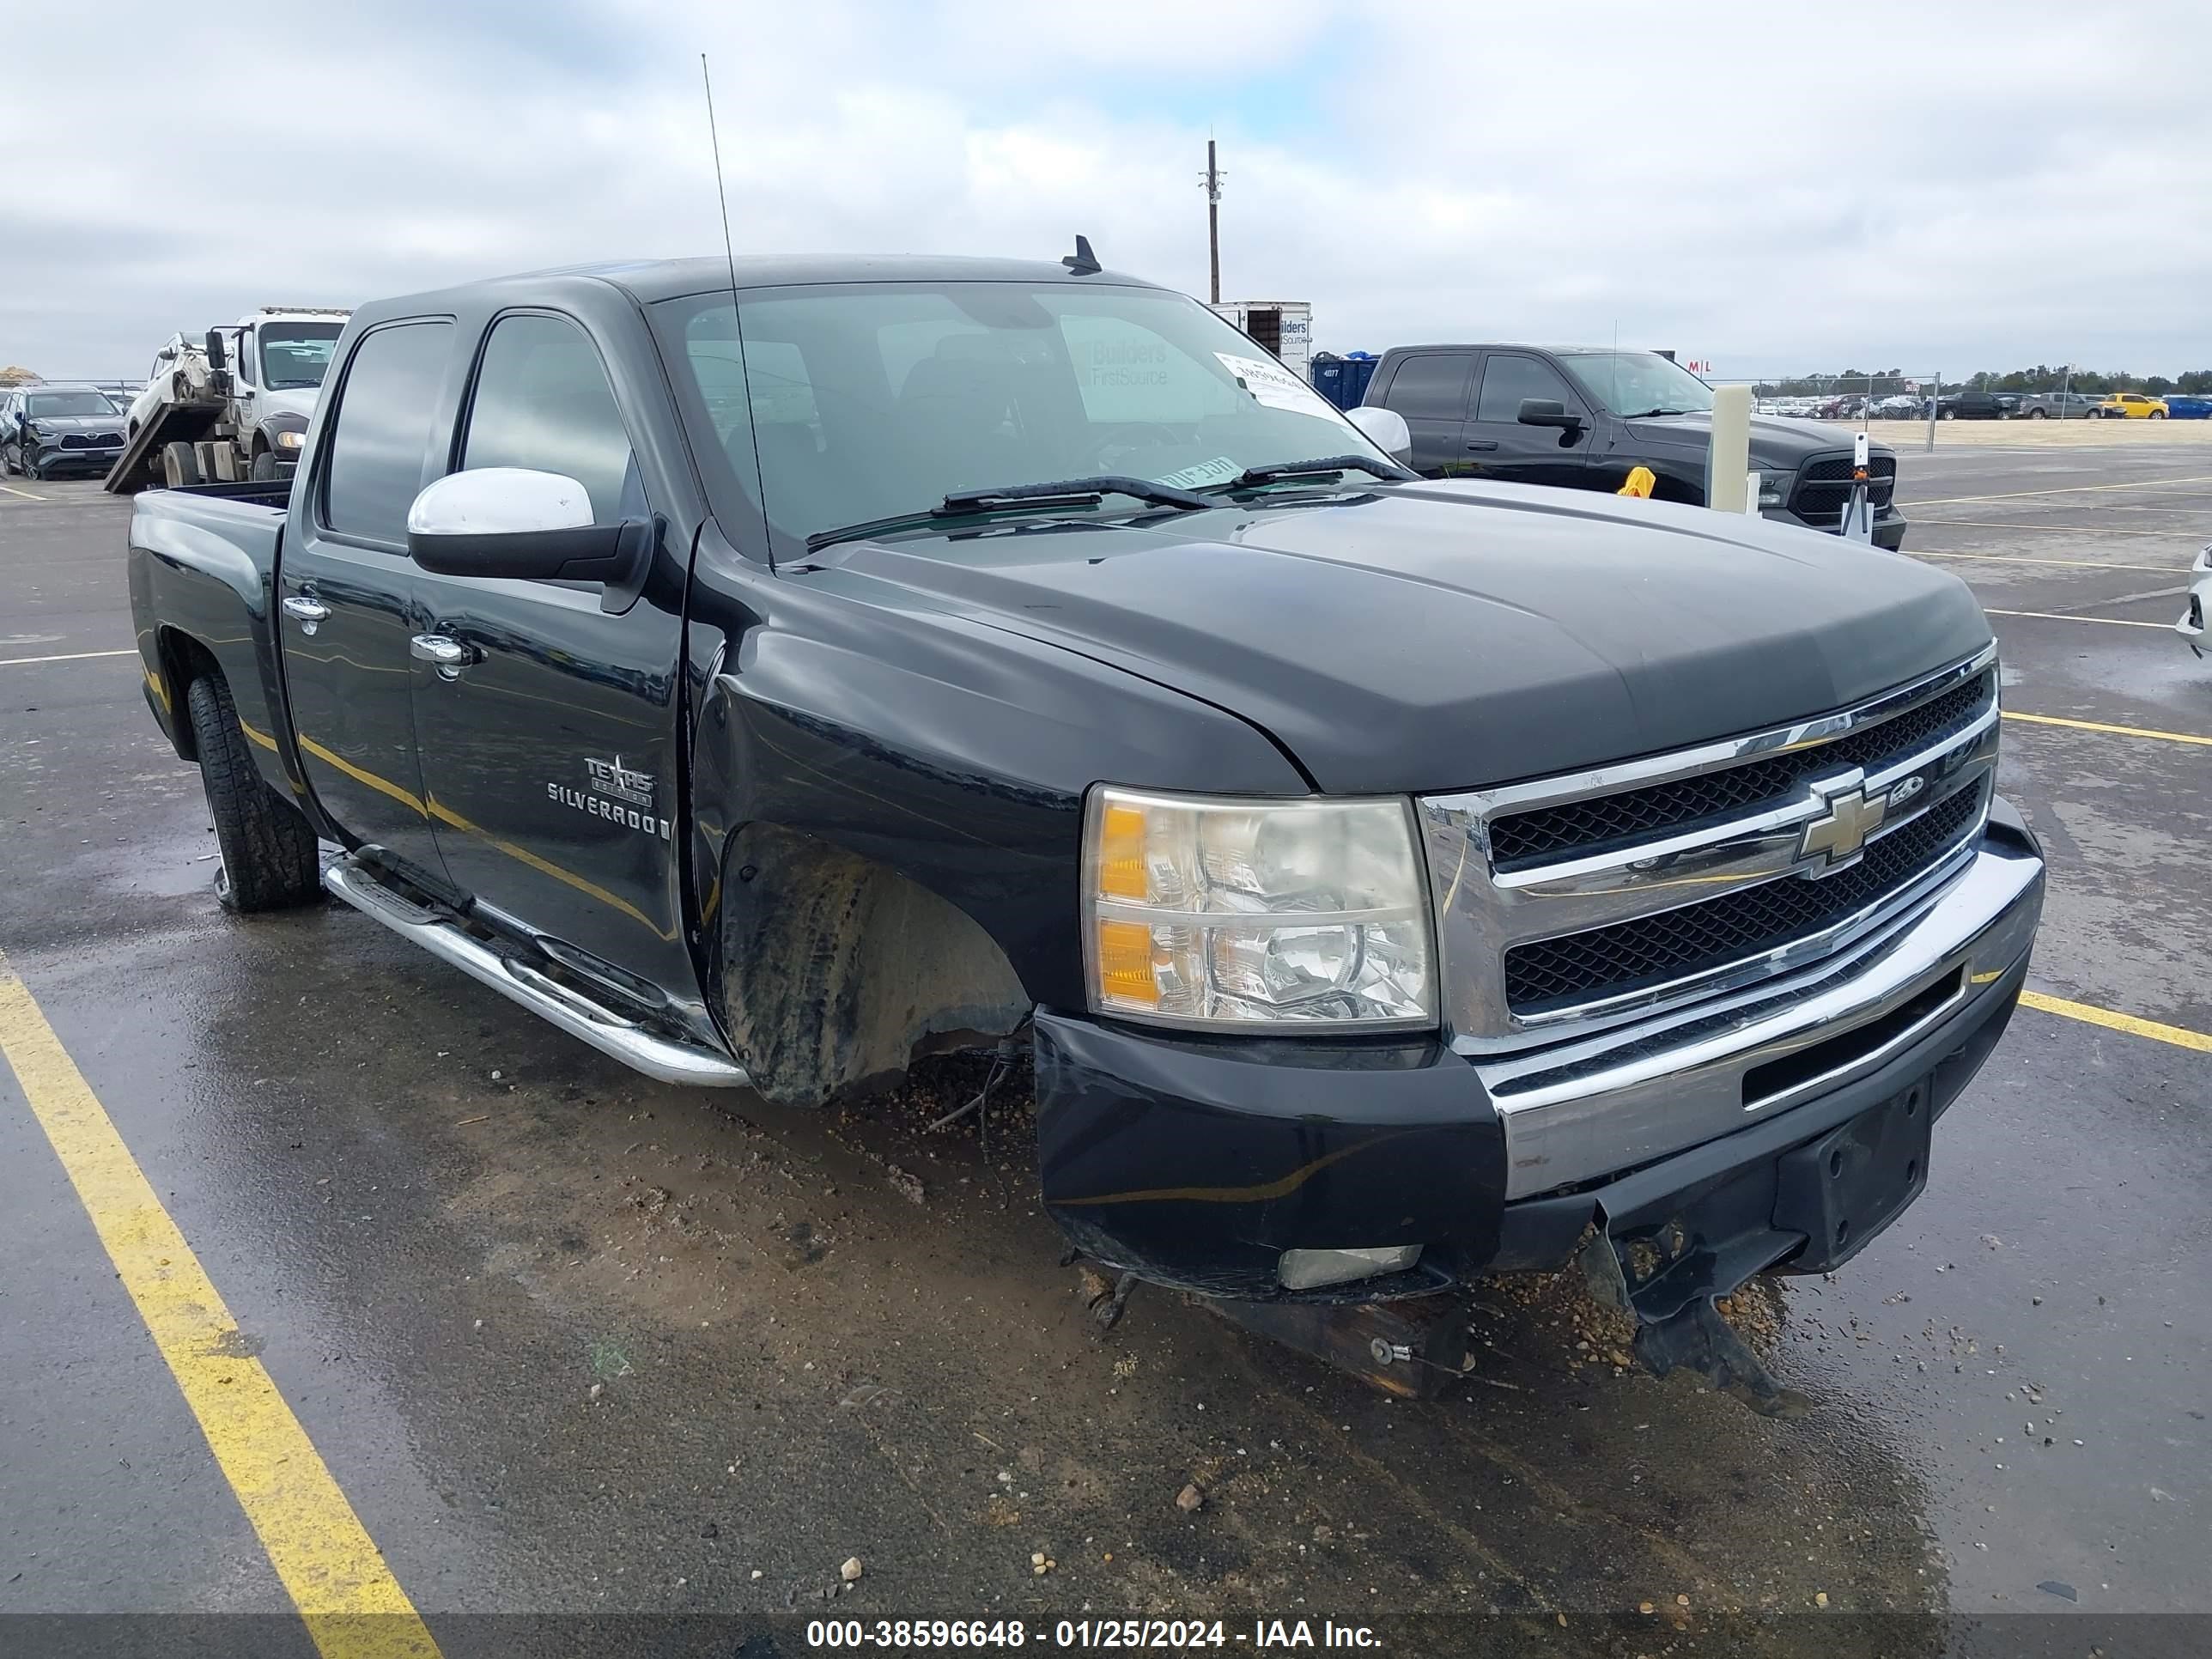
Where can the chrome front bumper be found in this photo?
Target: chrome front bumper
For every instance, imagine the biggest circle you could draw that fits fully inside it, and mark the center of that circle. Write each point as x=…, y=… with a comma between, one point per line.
x=1584, y=1109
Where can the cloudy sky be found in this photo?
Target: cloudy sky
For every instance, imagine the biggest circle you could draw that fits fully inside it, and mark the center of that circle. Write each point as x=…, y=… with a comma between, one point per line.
x=1946, y=186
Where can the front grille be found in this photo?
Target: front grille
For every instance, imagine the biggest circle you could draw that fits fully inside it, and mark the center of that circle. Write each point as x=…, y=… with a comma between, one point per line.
x=1698, y=939
x=89, y=440
x=1824, y=486
x=1590, y=826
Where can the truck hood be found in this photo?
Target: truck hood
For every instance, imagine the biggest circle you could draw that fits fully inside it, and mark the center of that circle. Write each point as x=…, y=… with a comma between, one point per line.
x=1438, y=637
x=299, y=401
x=1778, y=442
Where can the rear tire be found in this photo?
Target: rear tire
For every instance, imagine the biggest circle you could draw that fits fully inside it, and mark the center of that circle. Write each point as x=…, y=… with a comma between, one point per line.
x=180, y=465
x=268, y=848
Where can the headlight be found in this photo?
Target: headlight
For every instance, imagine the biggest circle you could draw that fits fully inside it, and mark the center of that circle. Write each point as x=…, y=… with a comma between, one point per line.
x=290, y=439
x=1236, y=914
x=1773, y=489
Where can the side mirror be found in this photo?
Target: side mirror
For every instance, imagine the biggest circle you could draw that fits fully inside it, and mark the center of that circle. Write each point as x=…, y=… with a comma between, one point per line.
x=1547, y=412
x=218, y=354
x=512, y=521
x=1386, y=429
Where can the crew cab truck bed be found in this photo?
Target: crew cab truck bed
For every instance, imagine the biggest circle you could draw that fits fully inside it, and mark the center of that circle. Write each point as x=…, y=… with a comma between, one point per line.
x=987, y=652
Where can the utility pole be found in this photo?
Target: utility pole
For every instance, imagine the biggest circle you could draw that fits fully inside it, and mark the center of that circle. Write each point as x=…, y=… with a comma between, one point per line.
x=1212, y=179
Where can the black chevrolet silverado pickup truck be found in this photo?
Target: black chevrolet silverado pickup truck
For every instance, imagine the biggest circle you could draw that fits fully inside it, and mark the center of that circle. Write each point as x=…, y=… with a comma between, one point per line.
x=771, y=675
x=1585, y=418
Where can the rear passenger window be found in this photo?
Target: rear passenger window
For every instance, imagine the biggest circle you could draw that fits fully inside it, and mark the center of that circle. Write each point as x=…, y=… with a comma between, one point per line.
x=382, y=432
x=1507, y=380
x=1432, y=387
x=542, y=401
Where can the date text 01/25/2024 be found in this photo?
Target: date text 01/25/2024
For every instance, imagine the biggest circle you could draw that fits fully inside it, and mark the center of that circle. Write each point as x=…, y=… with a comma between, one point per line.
x=1166, y=1635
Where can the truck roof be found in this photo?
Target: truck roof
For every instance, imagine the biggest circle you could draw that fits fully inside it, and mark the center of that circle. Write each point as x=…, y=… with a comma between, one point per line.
x=1516, y=345
x=650, y=280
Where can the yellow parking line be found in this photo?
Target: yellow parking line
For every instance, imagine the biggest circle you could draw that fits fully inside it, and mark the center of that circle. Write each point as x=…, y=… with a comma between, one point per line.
x=67, y=656
x=2067, y=490
x=2045, y=529
x=2176, y=1035
x=2056, y=615
x=2037, y=558
x=353, y=1607
x=2117, y=731
x=25, y=493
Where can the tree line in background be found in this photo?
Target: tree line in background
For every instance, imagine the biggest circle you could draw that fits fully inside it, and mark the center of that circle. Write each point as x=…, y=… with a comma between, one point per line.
x=2041, y=377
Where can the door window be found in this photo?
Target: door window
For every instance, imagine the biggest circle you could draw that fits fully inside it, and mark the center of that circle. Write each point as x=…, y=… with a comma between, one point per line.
x=382, y=432
x=1431, y=388
x=1508, y=379
x=543, y=402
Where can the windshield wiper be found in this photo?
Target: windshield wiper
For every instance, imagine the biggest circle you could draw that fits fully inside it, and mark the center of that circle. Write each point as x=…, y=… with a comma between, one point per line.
x=1076, y=491
x=1260, y=475
x=1065, y=492
x=1646, y=414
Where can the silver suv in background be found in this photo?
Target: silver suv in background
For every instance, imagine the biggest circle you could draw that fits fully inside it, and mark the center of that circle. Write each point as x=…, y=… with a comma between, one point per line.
x=2056, y=406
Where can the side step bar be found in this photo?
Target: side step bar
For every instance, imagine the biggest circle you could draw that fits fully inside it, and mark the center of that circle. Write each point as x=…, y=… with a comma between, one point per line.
x=610, y=1033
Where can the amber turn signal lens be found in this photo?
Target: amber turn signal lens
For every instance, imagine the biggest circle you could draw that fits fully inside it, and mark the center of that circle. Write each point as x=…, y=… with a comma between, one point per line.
x=1121, y=854
x=1124, y=963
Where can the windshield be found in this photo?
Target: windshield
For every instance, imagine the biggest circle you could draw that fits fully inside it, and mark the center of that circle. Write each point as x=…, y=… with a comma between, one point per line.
x=296, y=354
x=871, y=401
x=1631, y=383
x=67, y=402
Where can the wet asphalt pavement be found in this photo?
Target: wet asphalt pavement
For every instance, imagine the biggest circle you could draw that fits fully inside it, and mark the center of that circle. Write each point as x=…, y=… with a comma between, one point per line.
x=575, y=1342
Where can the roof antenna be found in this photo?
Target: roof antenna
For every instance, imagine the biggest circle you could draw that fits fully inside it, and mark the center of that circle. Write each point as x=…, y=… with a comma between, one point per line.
x=1082, y=262
x=721, y=194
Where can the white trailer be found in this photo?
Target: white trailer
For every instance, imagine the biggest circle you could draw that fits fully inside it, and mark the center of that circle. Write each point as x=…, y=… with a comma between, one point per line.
x=1285, y=327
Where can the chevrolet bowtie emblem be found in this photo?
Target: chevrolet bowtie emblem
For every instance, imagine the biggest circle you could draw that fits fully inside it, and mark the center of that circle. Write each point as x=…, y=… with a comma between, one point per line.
x=1840, y=834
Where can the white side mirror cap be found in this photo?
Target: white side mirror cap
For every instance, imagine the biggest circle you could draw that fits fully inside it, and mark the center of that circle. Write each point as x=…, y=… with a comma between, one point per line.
x=499, y=500
x=1386, y=429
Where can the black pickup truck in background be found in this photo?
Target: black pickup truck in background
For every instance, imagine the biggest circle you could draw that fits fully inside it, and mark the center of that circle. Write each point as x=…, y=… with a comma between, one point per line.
x=1396, y=882
x=1585, y=418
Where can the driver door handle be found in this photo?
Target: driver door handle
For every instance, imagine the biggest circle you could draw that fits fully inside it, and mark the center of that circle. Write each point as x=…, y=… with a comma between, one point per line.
x=307, y=608
x=1482, y=443
x=451, y=656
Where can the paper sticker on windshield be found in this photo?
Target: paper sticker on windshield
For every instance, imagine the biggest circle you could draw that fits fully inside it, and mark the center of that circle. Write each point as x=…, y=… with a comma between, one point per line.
x=1219, y=470
x=1273, y=385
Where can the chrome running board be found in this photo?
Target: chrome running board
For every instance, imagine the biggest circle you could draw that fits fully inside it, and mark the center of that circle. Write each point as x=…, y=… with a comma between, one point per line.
x=610, y=1033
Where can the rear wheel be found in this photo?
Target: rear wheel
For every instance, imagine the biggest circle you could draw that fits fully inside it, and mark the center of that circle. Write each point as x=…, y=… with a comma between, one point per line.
x=268, y=847
x=180, y=465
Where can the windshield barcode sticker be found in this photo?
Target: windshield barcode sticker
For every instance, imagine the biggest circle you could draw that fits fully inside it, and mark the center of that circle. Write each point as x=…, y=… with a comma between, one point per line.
x=1275, y=387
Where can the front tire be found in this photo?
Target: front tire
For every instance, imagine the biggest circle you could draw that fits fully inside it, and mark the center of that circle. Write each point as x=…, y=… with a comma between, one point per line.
x=264, y=470
x=268, y=848
x=2156, y=415
x=2039, y=414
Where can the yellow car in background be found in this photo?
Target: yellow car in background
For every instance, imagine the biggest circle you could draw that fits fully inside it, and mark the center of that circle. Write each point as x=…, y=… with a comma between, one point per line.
x=2131, y=406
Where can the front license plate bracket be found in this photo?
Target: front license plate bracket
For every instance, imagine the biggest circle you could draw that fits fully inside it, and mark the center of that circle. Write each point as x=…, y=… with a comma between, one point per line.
x=1807, y=1210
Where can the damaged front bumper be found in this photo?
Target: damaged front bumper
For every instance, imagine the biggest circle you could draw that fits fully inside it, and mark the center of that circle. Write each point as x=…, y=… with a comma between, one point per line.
x=1784, y=1129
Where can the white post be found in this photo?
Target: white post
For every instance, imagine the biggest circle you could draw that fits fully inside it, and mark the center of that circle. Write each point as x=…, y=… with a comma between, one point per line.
x=1729, y=459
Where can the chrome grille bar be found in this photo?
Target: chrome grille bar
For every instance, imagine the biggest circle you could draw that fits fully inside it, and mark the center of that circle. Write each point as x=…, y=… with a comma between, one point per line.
x=1823, y=824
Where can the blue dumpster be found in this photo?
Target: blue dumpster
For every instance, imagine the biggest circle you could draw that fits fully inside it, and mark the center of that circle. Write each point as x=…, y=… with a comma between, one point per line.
x=1343, y=380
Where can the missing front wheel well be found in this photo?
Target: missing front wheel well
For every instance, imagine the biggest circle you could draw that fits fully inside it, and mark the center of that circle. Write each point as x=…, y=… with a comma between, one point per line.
x=836, y=971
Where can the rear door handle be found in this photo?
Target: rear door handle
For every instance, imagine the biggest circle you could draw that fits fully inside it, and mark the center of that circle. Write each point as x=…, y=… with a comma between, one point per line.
x=451, y=656
x=1483, y=443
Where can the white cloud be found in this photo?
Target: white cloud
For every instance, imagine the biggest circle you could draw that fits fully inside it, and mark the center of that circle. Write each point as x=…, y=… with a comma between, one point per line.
x=1954, y=187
